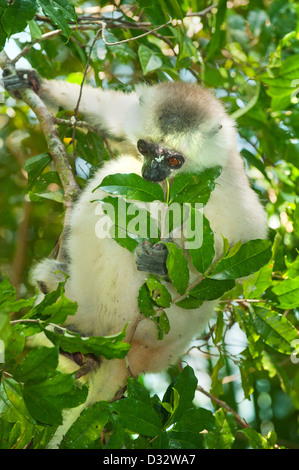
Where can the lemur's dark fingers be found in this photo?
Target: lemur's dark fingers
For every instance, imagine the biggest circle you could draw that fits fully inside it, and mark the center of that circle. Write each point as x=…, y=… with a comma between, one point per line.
x=22, y=79
x=151, y=258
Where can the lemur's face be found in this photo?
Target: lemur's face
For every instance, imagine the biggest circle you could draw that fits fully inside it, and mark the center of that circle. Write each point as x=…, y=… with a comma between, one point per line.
x=159, y=161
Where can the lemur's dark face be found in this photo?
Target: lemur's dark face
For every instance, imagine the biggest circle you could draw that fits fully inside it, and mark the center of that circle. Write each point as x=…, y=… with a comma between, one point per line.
x=158, y=161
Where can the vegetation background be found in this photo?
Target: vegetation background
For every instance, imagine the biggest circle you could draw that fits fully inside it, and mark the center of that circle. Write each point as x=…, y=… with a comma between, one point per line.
x=247, y=364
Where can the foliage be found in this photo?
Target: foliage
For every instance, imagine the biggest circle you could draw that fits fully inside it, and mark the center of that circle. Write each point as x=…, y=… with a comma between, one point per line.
x=248, y=52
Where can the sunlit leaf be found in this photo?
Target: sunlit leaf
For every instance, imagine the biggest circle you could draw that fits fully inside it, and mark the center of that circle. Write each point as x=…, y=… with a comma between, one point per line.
x=132, y=186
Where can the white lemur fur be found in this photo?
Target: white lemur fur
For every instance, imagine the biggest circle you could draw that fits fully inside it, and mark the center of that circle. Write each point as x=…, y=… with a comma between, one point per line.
x=103, y=278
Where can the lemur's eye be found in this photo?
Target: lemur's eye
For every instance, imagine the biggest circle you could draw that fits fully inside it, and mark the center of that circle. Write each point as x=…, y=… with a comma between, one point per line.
x=175, y=161
x=142, y=146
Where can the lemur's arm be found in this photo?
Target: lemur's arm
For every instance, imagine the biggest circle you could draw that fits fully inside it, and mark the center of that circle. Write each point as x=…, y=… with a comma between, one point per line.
x=108, y=110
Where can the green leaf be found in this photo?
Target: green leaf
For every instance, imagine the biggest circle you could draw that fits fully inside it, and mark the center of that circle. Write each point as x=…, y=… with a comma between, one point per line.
x=256, y=285
x=275, y=370
x=256, y=441
x=131, y=224
x=249, y=258
x=35, y=31
x=159, y=292
x=60, y=12
x=49, y=299
x=149, y=60
x=247, y=381
x=276, y=330
x=162, y=323
x=216, y=384
x=19, y=436
x=203, y=256
x=46, y=400
x=122, y=237
x=185, y=440
x=211, y=289
x=194, y=187
x=12, y=402
x=87, y=428
x=132, y=186
x=185, y=385
x=223, y=436
x=37, y=365
x=196, y=420
x=249, y=329
x=219, y=34
x=41, y=184
x=139, y=417
x=177, y=266
x=187, y=50
x=280, y=82
x=287, y=293
x=251, y=103
x=137, y=391
x=42, y=408
x=5, y=329
x=15, y=344
x=35, y=166
x=60, y=310
x=151, y=295
x=109, y=346
x=89, y=146
x=255, y=161
x=219, y=327
x=56, y=196
x=17, y=15
x=145, y=302
x=189, y=303
x=293, y=267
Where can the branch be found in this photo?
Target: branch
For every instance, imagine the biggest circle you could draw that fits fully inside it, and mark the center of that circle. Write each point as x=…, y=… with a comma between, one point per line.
x=203, y=12
x=135, y=37
x=94, y=23
x=224, y=405
x=71, y=122
x=81, y=86
x=49, y=35
x=55, y=147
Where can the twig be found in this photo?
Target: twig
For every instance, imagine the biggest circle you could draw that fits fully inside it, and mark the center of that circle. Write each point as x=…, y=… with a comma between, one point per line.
x=55, y=147
x=134, y=38
x=241, y=301
x=50, y=35
x=81, y=87
x=224, y=405
x=71, y=122
x=202, y=12
x=92, y=22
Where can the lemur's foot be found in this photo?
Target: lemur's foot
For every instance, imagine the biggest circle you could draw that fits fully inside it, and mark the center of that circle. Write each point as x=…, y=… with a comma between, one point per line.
x=21, y=80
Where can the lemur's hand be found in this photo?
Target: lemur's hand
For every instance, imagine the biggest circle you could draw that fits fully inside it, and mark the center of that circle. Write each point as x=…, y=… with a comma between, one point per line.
x=21, y=80
x=151, y=258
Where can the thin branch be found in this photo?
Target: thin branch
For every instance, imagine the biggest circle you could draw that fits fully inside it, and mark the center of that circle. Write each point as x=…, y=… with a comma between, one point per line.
x=224, y=405
x=241, y=301
x=92, y=22
x=55, y=147
x=87, y=125
x=202, y=12
x=81, y=86
x=134, y=38
x=50, y=35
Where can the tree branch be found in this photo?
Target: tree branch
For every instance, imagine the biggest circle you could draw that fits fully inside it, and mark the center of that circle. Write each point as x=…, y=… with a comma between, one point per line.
x=224, y=405
x=82, y=84
x=55, y=146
